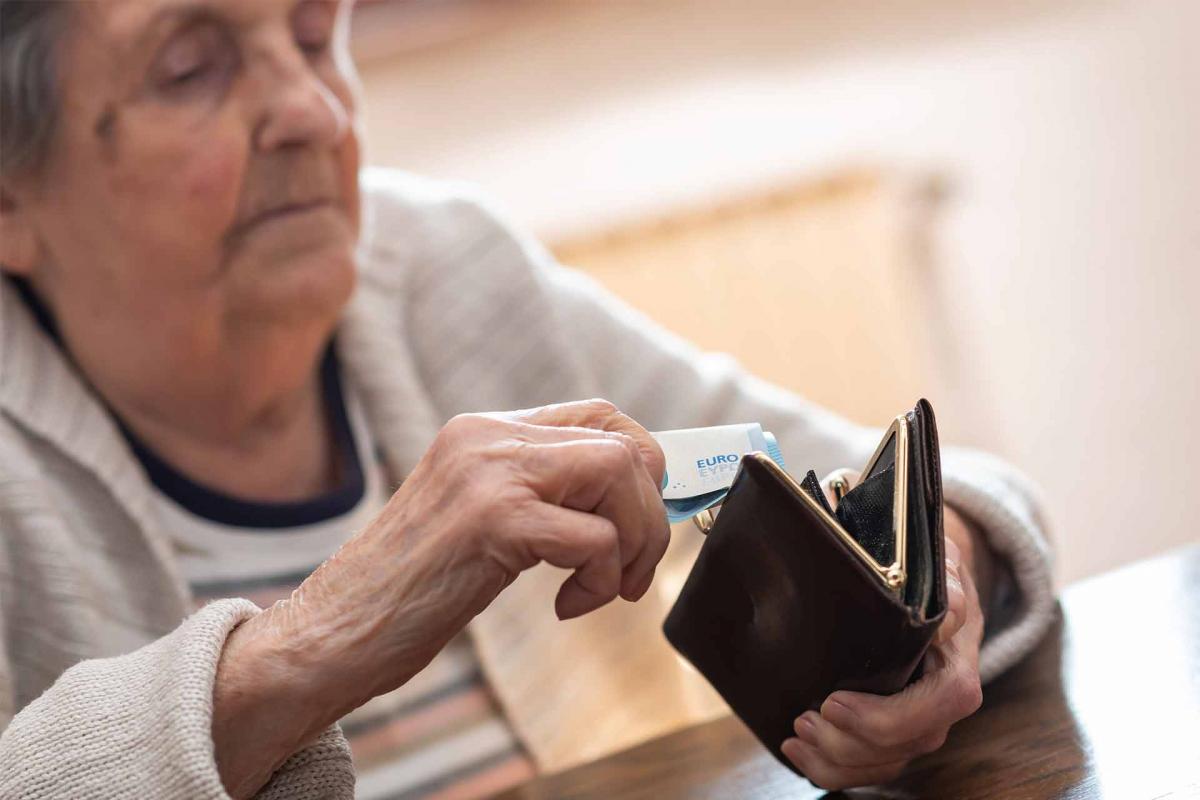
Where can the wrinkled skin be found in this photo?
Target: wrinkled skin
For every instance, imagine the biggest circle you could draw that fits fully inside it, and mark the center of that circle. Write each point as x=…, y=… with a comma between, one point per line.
x=199, y=206
x=575, y=485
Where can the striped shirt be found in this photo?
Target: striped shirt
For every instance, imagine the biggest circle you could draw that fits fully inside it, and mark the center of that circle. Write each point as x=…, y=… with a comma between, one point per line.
x=441, y=736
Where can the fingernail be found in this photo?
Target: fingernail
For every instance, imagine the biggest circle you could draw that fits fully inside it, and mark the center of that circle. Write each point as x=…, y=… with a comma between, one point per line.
x=640, y=591
x=794, y=749
x=805, y=729
x=838, y=712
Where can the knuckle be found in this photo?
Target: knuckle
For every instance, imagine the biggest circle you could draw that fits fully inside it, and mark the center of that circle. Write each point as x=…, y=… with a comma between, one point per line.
x=931, y=743
x=880, y=728
x=967, y=691
x=631, y=447
x=476, y=498
x=657, y=459
x=599, y=408
x=463, y=427
x=496, y=455
x=453, y=430
x=956, y=598
x=887, y=732
x=599, y=538
x=605, y=533
x=614, y=453
x=953, y=554
x=660, y=540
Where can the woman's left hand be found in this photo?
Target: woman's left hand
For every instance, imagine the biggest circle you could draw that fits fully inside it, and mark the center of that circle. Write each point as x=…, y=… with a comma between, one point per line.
x=862, y=739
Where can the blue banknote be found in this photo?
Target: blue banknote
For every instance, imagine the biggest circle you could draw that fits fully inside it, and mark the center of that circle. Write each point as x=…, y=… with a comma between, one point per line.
x=702, y=463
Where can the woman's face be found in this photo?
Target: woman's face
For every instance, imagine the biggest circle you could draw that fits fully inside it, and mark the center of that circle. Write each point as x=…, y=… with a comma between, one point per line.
x=202, y=189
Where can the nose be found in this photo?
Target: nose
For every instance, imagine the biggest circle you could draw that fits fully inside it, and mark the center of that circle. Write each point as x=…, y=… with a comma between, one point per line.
x=301, y=109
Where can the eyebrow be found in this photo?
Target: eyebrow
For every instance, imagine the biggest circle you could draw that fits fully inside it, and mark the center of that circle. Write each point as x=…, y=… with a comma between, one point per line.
x=180, y=13
x=169, y=15
x=138, y=41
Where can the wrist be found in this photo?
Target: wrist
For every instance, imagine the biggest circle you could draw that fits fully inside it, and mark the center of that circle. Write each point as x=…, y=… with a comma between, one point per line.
x=360, y=626
x=265, y=706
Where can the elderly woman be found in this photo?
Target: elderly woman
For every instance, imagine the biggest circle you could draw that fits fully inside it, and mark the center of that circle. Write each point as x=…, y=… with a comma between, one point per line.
x=223, y=348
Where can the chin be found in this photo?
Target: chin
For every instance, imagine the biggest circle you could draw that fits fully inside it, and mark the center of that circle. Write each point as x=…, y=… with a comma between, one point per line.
x=302, y=267
x=307, y=289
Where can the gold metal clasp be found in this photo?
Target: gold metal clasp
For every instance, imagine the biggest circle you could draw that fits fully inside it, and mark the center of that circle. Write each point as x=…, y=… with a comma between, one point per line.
x=705, y=520
x=895, y=574
x=840, y=486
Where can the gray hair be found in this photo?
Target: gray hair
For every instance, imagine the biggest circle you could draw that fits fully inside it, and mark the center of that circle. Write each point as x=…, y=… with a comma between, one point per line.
x=29, y=31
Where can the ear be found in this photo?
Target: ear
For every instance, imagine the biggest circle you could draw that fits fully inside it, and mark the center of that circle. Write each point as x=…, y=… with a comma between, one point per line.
x=19, y=244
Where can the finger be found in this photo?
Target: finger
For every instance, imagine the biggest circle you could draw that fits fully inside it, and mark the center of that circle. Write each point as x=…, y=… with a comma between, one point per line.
x=640, y=590
x=930, y=706
x=580, y=541
x=821, y=772
x=964, y=617
x=848, y=750
x=602, y=475
x=956, y=596
x=655, y=540
x=547, y=434
x=625, y=504
x=973, y=613
x=600, y=415
x=644, y=530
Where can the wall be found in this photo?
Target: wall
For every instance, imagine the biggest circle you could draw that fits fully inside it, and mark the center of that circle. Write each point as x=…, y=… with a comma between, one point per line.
x=1067, y=249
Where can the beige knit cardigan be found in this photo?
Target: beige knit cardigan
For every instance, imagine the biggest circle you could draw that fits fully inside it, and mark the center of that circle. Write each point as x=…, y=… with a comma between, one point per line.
x=106, y=682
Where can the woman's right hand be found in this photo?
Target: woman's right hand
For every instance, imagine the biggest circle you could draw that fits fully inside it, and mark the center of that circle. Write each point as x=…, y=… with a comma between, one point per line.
x=575, y=485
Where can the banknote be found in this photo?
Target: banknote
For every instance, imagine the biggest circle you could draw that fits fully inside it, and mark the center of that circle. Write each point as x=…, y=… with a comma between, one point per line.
x=702, y=463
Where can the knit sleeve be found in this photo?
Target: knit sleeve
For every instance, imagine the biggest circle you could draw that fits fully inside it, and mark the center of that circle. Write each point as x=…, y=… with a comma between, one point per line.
x=501, y=325
x=1006, y=506
x=139, y=725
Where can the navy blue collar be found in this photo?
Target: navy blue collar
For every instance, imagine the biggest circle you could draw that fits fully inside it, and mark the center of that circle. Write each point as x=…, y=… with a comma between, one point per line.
x=225, y=509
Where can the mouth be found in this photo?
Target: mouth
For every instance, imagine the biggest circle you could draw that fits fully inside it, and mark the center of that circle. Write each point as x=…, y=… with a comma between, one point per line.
x=279, y=213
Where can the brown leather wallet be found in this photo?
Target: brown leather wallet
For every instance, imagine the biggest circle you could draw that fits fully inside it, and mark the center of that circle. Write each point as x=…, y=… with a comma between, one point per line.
x=790, y=600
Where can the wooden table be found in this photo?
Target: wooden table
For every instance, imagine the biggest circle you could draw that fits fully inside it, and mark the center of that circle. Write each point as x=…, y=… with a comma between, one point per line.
x=1107, y=706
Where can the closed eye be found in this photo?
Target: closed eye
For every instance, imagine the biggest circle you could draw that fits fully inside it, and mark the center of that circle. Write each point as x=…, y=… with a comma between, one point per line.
x=189, y=75
x=197, y=55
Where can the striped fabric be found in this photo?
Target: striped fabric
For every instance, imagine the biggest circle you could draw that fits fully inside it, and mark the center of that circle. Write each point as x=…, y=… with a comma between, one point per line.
x=441, y=735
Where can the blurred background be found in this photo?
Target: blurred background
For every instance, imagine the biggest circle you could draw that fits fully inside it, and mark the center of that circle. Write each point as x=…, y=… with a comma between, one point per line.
x=992, y=203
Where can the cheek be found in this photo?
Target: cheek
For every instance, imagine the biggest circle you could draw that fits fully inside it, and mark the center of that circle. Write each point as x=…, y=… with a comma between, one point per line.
x=203, y=182
x=343, y=82
x=348, y=166
x=210, y=181
x=179, y=201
